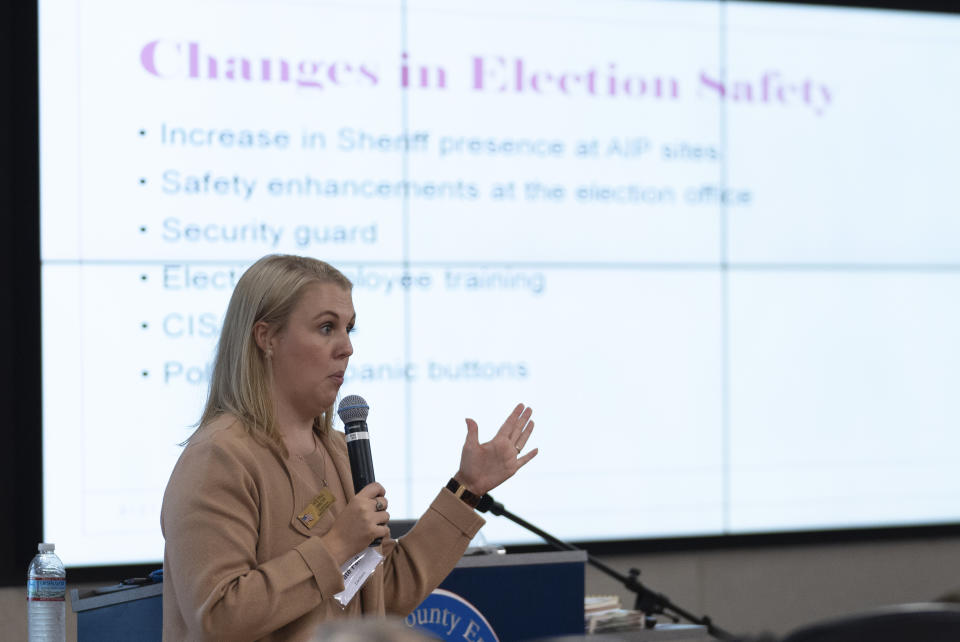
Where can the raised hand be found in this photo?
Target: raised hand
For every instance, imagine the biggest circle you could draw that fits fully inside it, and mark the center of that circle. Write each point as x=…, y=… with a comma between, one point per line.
x=485, y=466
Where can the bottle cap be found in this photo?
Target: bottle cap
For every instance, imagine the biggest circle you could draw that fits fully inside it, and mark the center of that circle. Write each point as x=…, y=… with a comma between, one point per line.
x=46, y=548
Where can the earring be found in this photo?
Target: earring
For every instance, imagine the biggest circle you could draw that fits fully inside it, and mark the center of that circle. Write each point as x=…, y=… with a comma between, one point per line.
x=269, y=354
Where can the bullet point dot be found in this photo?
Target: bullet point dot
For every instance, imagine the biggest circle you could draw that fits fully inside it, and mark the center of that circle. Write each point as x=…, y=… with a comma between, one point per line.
x=144, y=325
x=143, y=277
x=143, y=181
x=145, y=373
x=143, y=132
x=143, y=228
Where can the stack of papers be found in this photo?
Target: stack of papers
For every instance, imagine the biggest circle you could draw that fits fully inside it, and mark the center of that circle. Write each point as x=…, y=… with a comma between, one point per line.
x=602, y=614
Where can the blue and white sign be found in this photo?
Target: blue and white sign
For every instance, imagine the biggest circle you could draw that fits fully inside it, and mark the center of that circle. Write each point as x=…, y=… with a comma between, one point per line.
x=448, y=616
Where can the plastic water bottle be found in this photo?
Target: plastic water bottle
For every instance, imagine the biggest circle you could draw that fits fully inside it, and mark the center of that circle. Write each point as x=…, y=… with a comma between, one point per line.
x=46, y=588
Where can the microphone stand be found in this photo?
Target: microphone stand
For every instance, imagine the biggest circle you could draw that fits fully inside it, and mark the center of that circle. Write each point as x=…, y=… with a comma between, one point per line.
x=647, y=601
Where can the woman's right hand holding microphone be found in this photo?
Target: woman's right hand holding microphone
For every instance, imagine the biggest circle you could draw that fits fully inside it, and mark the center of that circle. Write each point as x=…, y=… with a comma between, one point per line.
x=362, y=521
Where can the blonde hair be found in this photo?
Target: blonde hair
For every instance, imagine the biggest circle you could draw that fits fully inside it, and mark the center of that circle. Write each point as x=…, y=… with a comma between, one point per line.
x=240, y=384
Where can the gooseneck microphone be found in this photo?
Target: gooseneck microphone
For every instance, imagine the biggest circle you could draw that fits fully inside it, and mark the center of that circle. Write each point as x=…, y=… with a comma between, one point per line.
x=353, y=411
x=647, y=601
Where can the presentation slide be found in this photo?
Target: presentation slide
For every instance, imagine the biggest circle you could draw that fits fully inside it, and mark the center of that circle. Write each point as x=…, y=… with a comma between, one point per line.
x=714, y=245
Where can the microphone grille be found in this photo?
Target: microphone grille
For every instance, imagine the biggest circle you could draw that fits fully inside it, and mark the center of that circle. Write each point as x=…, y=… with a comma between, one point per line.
x=353, y=408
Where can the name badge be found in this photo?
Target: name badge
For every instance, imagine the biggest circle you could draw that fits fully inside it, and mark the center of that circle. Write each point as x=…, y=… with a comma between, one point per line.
x=317, y=507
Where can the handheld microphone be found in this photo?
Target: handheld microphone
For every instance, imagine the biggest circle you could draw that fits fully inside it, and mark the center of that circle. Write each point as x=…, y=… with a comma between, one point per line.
x=353, y=412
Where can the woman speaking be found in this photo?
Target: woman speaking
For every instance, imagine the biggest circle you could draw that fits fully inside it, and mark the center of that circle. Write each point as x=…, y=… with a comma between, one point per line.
x=260, y=513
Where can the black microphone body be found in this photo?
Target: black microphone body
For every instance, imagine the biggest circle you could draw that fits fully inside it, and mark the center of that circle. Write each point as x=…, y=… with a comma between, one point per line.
x=361, y=459
x=353, y=412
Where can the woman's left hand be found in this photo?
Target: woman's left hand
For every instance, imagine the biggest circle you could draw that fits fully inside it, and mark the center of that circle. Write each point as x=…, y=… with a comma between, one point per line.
x=483, y=467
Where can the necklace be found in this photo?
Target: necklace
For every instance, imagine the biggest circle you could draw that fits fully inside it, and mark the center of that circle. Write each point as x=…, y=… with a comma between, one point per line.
x=315, y=445
x=323, y=458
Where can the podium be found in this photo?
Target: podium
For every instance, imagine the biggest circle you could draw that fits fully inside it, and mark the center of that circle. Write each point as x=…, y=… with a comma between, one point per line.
x=131, y=613
x=525, y=596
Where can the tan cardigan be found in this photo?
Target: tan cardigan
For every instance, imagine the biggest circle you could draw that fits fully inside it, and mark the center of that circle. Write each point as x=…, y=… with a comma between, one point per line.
x=239, y=565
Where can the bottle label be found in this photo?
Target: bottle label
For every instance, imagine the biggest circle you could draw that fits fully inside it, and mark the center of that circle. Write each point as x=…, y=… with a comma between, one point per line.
x=46, y=589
